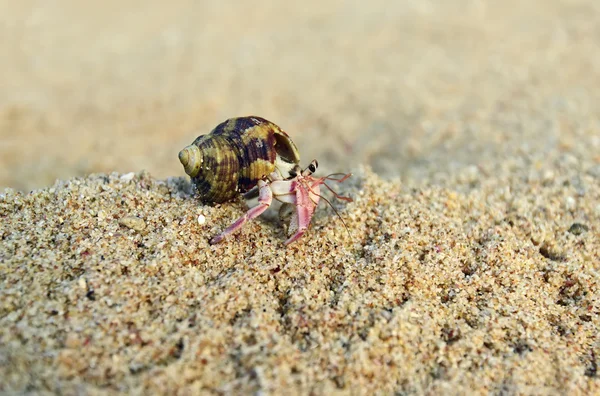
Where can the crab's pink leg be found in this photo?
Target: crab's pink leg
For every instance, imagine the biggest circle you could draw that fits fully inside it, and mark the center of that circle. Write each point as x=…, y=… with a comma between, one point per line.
x=306, y=202
x=265, y=197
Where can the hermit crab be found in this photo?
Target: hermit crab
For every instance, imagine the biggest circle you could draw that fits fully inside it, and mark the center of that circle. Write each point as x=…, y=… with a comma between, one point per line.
x=254, y=156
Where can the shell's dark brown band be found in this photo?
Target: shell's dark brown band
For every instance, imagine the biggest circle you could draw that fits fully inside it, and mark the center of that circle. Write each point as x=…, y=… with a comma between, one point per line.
x=244, y=123
x=257, y=148
x=230, y=150
x=202, y=187
x=251, y=143
x=216, y=181
x=238, y=125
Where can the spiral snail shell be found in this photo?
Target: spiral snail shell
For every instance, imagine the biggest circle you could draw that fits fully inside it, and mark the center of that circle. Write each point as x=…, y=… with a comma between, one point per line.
x=235, y=155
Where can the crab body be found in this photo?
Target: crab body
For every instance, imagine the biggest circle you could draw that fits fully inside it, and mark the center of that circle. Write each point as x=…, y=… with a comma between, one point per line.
x=235, y=155
x=300, y=196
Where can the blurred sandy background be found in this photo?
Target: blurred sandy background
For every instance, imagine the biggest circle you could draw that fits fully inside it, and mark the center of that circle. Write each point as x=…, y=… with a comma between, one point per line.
x=412, y=88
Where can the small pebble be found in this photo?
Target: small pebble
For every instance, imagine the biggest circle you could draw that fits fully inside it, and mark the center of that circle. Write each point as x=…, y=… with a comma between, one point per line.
x=101, y=215
x=570, y=203
x=133, y=222
x=127, y=177
x=201, y=219
x=578, y=228
x=82, y=283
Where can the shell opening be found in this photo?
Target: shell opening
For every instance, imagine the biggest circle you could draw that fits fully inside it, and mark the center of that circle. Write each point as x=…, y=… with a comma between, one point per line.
x=191, y=159
x=286, y=149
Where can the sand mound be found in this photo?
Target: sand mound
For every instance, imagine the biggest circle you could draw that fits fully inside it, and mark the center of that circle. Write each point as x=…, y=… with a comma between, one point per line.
x=109, y=284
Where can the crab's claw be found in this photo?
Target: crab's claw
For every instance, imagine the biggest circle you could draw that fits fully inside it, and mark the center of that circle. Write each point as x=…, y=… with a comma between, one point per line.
x=307, y=200
x=300, y=198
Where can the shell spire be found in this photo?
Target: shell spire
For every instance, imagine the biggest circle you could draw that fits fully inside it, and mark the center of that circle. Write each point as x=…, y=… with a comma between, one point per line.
x=191, y=159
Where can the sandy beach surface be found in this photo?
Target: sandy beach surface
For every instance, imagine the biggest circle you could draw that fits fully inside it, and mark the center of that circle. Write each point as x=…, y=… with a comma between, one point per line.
x=468, y=262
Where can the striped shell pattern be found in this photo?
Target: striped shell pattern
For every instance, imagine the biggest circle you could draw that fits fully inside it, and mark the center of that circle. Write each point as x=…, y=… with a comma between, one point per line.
x=235, y=155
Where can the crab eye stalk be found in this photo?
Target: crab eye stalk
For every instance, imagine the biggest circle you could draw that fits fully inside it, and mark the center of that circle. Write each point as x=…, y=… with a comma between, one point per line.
x=310, y=169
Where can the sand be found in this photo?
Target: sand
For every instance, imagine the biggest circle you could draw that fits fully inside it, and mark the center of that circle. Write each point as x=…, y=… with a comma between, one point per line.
x=470, y=260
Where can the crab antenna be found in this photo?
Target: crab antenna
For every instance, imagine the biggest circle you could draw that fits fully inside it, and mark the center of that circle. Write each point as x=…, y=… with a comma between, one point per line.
x=338, y=196
x=337, y=213
x=347, y=199
x=345, y=176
